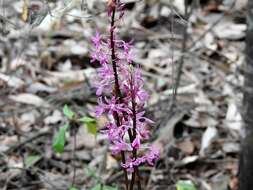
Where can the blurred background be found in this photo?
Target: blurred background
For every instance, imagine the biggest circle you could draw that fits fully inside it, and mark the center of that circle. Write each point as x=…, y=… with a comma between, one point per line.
x=191, y=54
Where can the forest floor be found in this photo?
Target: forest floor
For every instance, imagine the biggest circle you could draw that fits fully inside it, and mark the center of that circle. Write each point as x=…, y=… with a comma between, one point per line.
x=45, y=64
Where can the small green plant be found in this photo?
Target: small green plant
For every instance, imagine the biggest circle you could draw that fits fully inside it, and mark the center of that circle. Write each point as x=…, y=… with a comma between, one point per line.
x=99, y=184
x=73, y=120
x=90, y=123
x=68, y=112
x=59, y=140
x=31, y=160
x=185, y=185
x=73, y=188
x=103, y=187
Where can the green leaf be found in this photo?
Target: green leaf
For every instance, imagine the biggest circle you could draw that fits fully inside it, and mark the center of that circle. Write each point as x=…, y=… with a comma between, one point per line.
x=31, y=160
x=92, y=128
x=90, y=123
x=68, y=112
x=59, y=140
x=97, y=187
x=87, y=119
x=73, y=188
x=109, y=188
x=100, y=187
x=185, y=185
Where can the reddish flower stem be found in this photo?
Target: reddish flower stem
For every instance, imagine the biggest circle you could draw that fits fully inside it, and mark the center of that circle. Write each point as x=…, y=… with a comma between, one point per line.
x=116, y=88
x=118, y=95
x=136, y=170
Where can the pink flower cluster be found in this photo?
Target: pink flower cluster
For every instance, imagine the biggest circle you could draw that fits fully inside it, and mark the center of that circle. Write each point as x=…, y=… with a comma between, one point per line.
x=128, y=127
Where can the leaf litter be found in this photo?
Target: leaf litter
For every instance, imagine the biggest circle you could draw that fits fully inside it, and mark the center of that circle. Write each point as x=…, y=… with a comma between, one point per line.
x=199, y=138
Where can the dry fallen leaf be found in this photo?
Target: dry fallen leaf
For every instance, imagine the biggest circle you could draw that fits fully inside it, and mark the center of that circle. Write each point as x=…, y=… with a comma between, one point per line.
x=83, y=139
x=7, y=141
x=209, y=135
x=29, y=99
x=233, y=117
x=40, y=87
x=231, y=147
x=189, y=159
x=229, y=30
x=26, y=121
x=12, y=81
x=186, y=146
x=25, y=11
x=54, y=118
x=111, y=162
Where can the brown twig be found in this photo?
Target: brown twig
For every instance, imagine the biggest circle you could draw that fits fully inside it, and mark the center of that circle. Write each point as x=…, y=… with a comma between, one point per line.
x=20, y=144
x=211, y=26
x=191, y=47
x=181, y=63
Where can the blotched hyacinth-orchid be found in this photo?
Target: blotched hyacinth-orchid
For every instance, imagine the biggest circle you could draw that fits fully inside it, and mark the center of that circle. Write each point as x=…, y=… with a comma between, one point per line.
x=124, y=103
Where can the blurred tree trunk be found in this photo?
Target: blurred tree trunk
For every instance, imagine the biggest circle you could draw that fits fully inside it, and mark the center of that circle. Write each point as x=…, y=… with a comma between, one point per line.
x=246, y=157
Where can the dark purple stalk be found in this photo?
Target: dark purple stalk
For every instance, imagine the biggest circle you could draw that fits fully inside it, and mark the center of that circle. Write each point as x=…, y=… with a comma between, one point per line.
x=127, y=101
x=116, y=88
x=136, y=170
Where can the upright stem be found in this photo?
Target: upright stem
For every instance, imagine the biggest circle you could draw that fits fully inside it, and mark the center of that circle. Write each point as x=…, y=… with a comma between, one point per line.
x=116, y=87
x=75, y=125
x=184, y=48
x=113, y=55
x=136, y=170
